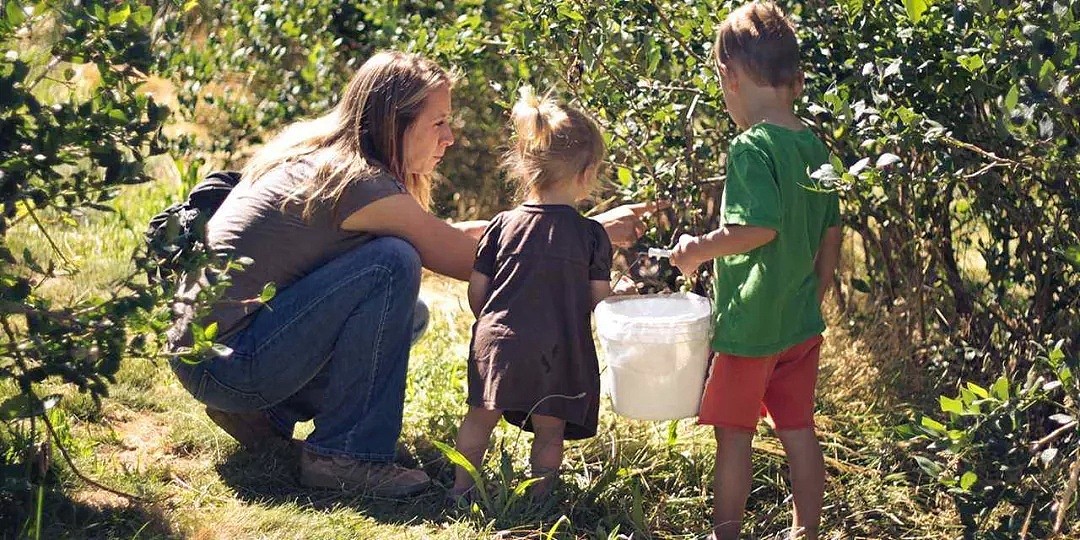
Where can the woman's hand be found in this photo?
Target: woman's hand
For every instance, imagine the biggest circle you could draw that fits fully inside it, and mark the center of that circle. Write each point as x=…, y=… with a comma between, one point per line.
x=624, y=223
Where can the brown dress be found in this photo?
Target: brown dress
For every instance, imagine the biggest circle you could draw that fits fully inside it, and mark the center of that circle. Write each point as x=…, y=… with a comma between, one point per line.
x=532, y=347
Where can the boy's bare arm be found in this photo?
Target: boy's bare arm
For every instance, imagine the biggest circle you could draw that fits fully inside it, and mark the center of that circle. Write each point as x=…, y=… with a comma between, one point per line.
x=727, y=240
x=828, y=258
x=478, y=289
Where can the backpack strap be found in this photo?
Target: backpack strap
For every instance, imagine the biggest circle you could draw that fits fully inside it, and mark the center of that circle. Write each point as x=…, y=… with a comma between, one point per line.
x=208, y=195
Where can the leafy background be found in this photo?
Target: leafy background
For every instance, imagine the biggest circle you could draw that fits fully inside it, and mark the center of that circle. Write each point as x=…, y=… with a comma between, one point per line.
x=954, y=133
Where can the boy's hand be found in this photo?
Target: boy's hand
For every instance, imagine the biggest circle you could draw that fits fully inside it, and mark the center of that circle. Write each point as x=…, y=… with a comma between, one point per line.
x=685, y=255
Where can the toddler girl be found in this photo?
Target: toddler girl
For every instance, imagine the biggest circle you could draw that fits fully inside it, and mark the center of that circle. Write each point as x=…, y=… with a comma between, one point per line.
x=540, y=269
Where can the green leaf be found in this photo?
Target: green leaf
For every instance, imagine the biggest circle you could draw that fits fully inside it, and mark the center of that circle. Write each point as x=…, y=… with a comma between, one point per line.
x=626, y=178
x=1011, y=98
x=971, y=62
x=887, y=159
x=967, y=480
x=932, y=468
x=190, y=5
x=1072, y=254
x=210, y=332
x=951, y=405
x=14, y=13
x=268, y=292
x=26, y=406
x=1048, y=455
x=1056, y=356
x=119, y=16
x=143, y=17
x=915, y=9
x=1000, y=389
x=117, y=114
x=932, y=425
x=568, y=12
x=860, y=285
x=672, y=432
x=459, y=459
x=978, y=390
x=1062, y=418
x=521, y=489
x=555, y=528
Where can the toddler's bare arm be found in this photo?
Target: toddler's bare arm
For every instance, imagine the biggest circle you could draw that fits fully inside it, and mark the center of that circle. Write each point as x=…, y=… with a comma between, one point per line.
x=478, y=289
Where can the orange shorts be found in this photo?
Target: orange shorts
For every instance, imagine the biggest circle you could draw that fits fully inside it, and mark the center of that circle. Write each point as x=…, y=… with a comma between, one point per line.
x=743, y=389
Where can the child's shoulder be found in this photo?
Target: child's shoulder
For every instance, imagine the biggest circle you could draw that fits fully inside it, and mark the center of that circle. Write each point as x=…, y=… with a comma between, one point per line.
x=768, y=137
x=779, y=146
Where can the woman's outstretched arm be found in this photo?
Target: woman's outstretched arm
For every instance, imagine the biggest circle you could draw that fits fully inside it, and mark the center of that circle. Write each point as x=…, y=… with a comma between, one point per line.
x=443, y=248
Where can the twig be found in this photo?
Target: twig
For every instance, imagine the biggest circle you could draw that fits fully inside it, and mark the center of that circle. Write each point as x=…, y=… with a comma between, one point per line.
x=1066, y=497
x=7, y=307
x=1027, y=522
x=56, y=248
x=1037, y=445
x=52, y=63
x=982, y=171
x=984, y=153
x=87, y=479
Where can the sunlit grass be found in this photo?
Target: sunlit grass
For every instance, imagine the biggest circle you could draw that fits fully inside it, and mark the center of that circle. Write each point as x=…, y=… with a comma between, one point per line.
x=150, y=438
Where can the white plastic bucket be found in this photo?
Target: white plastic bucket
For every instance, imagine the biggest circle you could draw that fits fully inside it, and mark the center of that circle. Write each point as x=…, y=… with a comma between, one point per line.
x=657, y=352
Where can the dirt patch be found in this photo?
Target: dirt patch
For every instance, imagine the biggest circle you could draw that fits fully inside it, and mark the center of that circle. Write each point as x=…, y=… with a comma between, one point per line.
x=99, y=499
x=142, y=442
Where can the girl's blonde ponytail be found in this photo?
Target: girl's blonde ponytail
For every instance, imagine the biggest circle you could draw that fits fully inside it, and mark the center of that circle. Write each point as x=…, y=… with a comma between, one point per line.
x=532, y=127
x=551, y=143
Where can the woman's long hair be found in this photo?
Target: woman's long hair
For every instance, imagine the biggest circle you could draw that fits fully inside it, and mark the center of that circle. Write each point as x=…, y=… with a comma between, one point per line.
x=362, y=135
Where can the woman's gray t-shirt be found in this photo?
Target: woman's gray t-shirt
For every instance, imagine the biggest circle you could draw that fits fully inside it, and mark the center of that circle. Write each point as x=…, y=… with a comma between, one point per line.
x=256, y=222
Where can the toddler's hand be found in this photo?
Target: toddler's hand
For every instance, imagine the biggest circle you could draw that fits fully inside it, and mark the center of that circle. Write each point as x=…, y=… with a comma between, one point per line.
x=683, y=257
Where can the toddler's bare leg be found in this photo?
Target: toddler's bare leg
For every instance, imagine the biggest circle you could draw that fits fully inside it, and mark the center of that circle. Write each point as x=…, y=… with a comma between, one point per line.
x=807, y=468
x=731, y=486
x=472, y=441
x=547, y=450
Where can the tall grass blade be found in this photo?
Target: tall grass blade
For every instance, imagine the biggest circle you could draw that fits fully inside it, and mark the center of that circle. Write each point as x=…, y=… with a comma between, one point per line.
x=459, y=459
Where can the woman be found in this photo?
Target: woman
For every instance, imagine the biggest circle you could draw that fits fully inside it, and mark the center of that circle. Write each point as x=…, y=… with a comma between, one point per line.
x=334, y=212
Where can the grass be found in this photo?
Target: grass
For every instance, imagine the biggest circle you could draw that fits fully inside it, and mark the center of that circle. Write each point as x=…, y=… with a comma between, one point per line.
x=652, y=480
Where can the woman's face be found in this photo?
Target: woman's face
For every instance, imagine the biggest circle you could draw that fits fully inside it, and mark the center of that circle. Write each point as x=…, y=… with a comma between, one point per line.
x=427, y=138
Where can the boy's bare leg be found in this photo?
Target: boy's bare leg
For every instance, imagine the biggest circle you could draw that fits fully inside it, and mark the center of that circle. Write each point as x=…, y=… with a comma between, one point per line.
x=807, y=468
x=472, y=441
x=547, y=451
x=731, y=486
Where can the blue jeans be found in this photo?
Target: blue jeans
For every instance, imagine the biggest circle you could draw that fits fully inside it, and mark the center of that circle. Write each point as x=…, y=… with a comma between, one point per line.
x=333, y=347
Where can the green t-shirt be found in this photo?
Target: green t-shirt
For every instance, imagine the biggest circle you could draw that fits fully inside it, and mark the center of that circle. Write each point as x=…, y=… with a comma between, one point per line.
x=766, y=299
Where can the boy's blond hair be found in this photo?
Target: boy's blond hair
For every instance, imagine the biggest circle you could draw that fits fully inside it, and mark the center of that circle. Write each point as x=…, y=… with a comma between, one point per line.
x=761, y=40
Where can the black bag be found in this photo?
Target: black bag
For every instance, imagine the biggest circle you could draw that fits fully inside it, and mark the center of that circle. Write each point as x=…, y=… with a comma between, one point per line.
x=176, y=237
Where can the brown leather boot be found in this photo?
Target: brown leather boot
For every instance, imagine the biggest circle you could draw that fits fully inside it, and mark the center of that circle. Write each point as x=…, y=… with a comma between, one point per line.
x=377, y=478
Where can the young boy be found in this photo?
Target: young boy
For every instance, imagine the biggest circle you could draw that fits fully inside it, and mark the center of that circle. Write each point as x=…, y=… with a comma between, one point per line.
x=775, y=254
